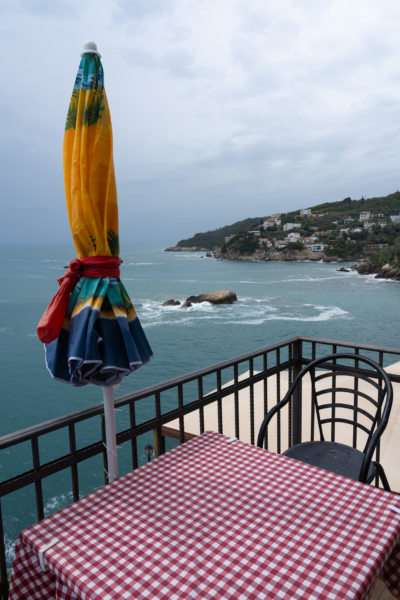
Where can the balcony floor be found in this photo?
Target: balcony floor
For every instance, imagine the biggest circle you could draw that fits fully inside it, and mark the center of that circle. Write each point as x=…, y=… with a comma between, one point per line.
x=380, y=592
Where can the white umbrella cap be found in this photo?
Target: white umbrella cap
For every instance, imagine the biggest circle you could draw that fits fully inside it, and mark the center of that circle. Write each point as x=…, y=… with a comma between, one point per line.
x=90, y=48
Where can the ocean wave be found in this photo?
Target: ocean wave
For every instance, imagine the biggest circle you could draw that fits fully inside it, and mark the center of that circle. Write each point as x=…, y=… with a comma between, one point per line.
x=373, y=279
x=248, y=311
x=57, y=502
x=185, y=320
x=196, y=306
x=247, y=322
x=324, y=315
x=327, y=313
x=292, y=280
x=265, y=302
x=308, y=279
x=141, y=264
x=9, y=547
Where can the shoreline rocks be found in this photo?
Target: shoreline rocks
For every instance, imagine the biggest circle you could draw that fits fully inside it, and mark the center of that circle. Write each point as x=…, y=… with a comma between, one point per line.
x=384, y=272
x=287, y=255
x=187, y=249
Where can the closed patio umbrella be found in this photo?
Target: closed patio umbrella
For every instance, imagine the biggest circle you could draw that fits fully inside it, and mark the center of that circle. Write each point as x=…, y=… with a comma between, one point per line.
x=91, y=331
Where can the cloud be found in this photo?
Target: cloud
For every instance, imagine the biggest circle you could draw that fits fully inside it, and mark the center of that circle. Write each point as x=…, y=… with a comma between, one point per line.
x=221, y=110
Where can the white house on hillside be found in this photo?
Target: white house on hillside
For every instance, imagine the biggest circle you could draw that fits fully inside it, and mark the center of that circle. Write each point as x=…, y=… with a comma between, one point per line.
x=365, y=215
x=305, y=212
x=289, y=226
x=269, y=223
x=292, y=237
x=265, y=242
x=309, y=240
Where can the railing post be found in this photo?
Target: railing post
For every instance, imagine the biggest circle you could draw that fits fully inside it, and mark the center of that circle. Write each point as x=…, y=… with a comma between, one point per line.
x=296, y=412
x=3, y=564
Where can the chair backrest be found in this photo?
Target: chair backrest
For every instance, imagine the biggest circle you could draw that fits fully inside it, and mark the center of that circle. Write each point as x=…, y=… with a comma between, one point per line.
x=352, y=390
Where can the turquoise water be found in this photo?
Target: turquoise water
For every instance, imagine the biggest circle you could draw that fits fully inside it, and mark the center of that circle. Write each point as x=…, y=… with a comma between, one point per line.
x=276, y=301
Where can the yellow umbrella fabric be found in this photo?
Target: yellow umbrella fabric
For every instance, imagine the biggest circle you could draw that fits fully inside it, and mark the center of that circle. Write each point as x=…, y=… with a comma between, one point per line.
x=89, y=177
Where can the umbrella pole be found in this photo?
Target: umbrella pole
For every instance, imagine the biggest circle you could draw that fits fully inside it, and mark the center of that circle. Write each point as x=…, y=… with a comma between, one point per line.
x=111, y=438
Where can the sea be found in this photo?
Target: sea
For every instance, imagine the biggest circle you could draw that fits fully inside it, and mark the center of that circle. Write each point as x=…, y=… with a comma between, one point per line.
x=276, y=300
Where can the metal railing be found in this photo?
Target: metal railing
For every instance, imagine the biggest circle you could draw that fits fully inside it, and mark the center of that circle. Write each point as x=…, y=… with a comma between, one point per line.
x=147, y=413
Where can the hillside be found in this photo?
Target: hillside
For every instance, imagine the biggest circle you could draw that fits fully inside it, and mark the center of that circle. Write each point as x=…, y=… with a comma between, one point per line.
x=344, y=230
x=209, y=240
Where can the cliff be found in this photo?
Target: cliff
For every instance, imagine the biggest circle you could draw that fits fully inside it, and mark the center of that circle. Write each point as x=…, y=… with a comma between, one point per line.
x=289, y=255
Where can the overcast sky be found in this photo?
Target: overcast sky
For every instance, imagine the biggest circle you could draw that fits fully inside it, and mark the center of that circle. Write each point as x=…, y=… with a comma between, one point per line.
x=221, y=109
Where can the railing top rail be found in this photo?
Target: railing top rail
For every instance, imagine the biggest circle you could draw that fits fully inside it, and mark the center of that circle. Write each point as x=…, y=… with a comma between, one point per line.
x=170, y=383
x=346, y=344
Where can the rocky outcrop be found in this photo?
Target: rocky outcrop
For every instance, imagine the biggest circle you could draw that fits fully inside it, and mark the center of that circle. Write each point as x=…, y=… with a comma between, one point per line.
x=289, y=255
x=186, y=249
x=218, y=297
x=171, y=302
x=186, y=304
x=384, y=272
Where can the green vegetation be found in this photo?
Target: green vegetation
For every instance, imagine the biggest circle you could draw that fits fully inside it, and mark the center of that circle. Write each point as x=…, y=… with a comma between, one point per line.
x=386, y=205
x=336, y=225
x=245, y=244
x=389, y=254
x=295, y=246
x=212, y=239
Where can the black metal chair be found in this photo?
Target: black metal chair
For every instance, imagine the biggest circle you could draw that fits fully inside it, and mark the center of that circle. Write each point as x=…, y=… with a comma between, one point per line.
x=365, y=410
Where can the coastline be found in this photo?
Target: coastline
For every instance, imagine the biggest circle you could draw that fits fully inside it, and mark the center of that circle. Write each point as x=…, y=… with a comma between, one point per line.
x=362, y=266
x=384, y=272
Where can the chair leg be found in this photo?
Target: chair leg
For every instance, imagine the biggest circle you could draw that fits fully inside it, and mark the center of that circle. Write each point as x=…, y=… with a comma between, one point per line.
x=382, y=476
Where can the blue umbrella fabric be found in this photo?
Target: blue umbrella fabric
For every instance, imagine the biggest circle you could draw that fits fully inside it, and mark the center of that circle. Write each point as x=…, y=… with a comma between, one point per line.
x=101, y=340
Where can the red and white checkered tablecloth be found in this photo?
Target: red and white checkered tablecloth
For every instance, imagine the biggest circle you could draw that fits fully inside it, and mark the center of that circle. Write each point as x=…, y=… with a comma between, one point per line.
x=211, y=519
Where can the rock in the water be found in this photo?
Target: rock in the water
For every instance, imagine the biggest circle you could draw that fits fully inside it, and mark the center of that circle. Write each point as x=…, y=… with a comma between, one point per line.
x=218, y=297
x=186, y=304
x=366, y=269
x=171, y=302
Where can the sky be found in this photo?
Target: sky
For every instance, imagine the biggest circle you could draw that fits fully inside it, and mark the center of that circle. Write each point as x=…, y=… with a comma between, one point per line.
x=221, y=109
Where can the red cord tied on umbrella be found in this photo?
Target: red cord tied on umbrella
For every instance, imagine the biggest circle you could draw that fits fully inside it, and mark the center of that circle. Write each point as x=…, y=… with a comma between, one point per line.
x=50, y=324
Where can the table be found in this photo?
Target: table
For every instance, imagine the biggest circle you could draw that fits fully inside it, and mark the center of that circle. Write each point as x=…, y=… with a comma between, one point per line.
x=215, y=518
